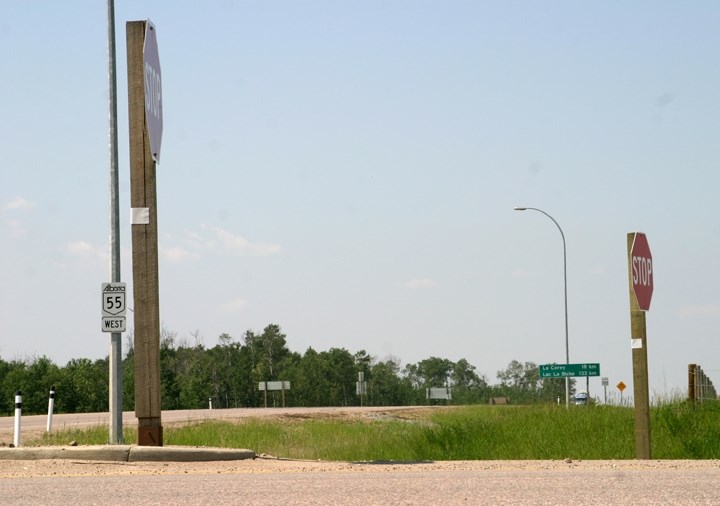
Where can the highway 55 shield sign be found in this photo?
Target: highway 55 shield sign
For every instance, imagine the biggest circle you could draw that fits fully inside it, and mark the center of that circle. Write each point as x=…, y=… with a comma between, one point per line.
x=113, y=307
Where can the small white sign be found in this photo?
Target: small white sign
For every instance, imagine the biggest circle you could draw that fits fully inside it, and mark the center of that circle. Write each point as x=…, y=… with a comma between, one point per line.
x=140, y=216
x=113, y=324
x=274, y=385
x=439, y=393
x=113, y=299
x=636, y=344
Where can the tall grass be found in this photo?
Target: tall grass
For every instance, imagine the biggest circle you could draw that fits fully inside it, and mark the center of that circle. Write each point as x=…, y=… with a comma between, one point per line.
x=686, y=430
x=95, y=435
x=539, y=432
x=679, y=430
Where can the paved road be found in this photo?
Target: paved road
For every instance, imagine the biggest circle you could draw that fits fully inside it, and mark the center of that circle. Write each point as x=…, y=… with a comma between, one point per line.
x=274, y=482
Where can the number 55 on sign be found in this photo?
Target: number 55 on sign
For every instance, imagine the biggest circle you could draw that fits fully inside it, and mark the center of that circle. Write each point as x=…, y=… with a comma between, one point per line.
x=113, y=307
x=113, y=299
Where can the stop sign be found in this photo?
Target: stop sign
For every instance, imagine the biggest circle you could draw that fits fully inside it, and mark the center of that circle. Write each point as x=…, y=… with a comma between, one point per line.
x=153, y=90
x=641, y=270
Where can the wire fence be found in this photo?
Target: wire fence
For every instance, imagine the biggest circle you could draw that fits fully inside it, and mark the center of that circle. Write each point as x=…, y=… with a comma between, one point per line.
x=700, y=388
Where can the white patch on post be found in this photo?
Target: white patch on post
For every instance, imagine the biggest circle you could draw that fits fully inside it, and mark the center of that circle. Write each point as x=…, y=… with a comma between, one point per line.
x=140, y=216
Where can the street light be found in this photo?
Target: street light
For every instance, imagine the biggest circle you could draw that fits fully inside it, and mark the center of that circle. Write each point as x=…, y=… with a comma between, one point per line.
x=567, y=346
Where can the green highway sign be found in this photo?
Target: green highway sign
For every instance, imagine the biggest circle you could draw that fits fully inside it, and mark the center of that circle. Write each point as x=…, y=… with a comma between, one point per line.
x=569, y=370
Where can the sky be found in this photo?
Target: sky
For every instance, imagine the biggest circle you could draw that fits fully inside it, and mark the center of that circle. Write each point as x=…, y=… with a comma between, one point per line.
x=348, y=171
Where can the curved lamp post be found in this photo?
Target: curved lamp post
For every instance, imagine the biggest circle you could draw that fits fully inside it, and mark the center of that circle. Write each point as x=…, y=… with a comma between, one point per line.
x=567, y=346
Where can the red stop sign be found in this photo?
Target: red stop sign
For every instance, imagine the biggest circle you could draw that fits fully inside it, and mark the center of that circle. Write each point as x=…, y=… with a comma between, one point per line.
x=641, y=271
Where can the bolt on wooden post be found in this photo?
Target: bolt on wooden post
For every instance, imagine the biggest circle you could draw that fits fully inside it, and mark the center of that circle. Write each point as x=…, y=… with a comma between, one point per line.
x=143, y=200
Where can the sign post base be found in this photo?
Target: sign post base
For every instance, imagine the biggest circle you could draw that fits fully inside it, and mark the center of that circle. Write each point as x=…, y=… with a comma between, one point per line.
x=150, y=432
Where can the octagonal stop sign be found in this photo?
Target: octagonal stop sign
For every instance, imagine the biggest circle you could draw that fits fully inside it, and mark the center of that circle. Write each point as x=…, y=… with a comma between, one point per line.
x=641, y=270
x=153, y=90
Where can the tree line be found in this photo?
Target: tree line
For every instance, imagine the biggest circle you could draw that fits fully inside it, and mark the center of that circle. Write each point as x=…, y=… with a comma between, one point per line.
x=229, y=374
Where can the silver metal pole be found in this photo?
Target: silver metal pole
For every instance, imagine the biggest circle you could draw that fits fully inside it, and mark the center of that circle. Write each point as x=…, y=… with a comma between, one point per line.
x=116, y=435
x=567, y=342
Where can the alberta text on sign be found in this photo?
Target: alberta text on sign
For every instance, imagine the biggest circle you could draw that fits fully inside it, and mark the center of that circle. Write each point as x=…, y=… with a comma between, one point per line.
x=113, y=307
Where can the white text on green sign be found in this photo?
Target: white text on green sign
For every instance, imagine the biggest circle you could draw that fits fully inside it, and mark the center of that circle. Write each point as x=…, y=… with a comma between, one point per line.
x=569, y=370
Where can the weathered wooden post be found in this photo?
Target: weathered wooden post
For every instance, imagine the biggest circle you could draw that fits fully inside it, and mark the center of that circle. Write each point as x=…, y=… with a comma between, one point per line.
x=144, y=104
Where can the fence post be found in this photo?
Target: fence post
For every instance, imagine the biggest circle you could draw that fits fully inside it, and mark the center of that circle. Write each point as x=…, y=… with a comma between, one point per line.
x=691, y=382
x=18, y=415
x=51, y=408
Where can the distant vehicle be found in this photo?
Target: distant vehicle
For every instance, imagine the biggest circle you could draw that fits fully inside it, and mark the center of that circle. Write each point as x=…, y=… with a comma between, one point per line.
x=581, y=398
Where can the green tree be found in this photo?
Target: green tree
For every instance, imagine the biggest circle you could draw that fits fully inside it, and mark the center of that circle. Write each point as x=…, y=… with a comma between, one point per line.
x=386, y=386
x=14, y=379
x=309, y=381
x=468, y=386
x=435, y=371
x=193, y=365
x=4, y=394
x=230, y=372
x=520, y=382
x=83, y=387
x=340, y=371
x=42, y=374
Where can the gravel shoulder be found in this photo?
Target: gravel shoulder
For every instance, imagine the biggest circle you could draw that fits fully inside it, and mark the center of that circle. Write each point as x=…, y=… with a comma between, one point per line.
x=265, y=465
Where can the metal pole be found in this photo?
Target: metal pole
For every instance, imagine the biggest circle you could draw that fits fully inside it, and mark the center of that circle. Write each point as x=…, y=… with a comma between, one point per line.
x=567, y=341
x=115, y=388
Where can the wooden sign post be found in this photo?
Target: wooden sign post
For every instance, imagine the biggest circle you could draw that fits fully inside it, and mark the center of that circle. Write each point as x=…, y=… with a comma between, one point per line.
x=143, y=200
x=641, y=286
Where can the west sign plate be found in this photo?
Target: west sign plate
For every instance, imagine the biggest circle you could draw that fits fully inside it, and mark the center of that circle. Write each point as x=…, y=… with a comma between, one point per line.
x=115, y=324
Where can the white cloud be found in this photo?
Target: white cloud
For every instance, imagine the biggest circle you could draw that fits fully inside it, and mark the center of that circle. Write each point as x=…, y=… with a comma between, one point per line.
x=240, y=245
x=79, y=247
x=701, y=310
x=84, y=249
x=16, y=228
x=192, y=245
x=233, y=306
x=419, y=283
x=19, y=203
x=178, y=254
x=196, y=241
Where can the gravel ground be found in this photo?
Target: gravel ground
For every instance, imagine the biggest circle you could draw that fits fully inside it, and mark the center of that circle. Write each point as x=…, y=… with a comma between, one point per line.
x=266, y=464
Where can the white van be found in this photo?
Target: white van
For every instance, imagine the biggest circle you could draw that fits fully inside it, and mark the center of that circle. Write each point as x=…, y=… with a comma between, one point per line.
x=581, y=398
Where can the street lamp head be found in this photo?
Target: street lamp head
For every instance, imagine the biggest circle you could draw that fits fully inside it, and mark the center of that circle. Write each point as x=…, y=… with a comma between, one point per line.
x=520, y=208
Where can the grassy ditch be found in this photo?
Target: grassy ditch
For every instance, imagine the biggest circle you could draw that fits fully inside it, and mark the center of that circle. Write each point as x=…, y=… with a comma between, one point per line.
x=678, y=431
